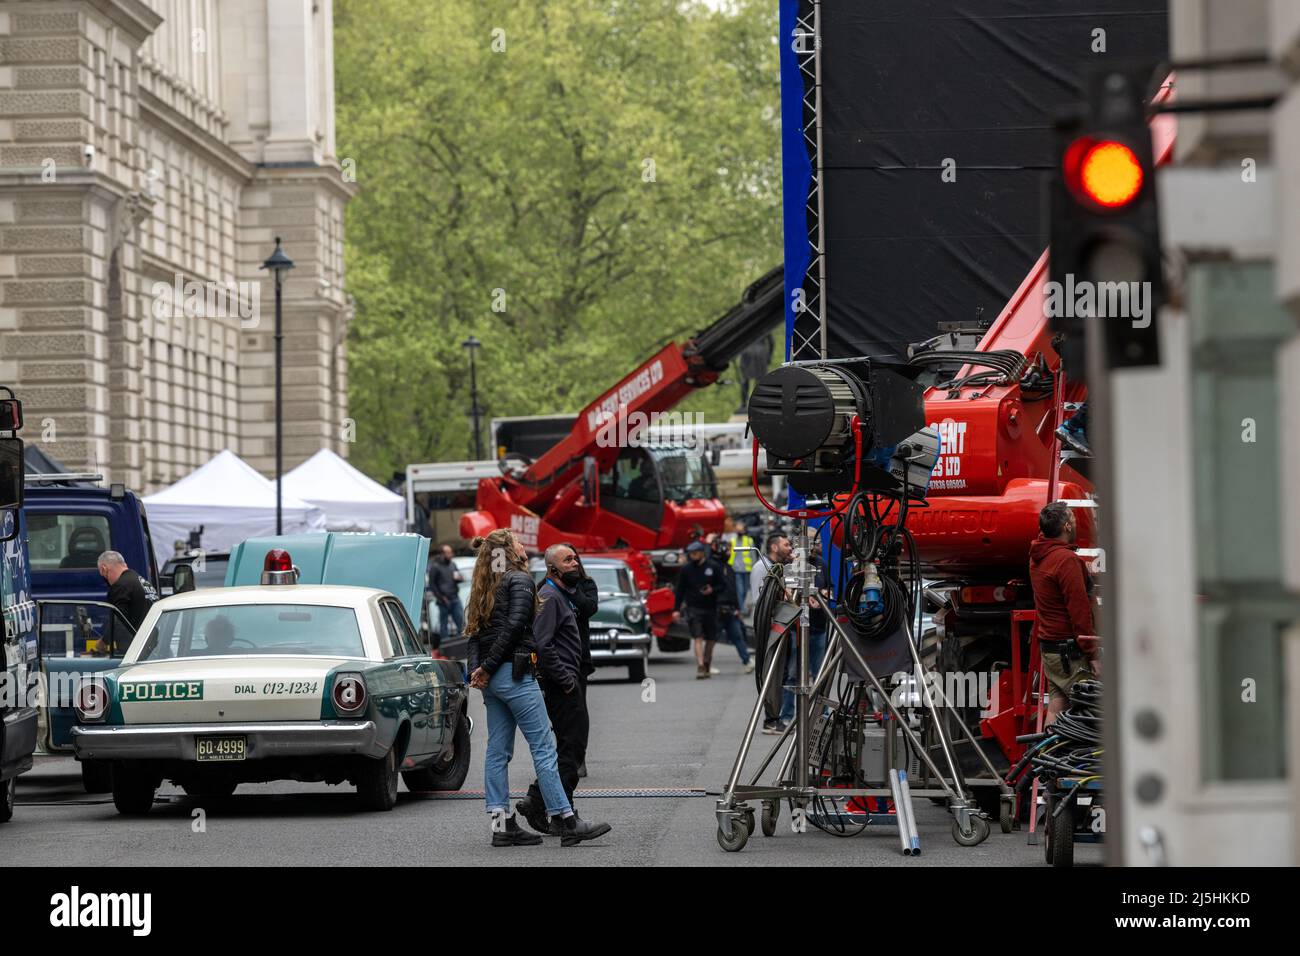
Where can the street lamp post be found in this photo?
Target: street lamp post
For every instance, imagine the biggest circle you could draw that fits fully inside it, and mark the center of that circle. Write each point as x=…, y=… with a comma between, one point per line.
x=473, y=345
x=279, y=264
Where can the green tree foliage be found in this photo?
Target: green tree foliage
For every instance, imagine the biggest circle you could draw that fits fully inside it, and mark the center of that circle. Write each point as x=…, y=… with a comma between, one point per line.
x=574, y=182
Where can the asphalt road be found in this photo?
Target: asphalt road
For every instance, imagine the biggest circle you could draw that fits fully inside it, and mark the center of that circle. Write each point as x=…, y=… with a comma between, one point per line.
x=680, y=742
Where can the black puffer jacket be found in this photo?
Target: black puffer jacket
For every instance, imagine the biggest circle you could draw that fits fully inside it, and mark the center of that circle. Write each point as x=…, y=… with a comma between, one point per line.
x=510, y=626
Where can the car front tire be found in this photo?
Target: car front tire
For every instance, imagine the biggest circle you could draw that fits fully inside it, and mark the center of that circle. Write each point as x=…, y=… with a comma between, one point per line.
x=133, y=790
x=377, y=782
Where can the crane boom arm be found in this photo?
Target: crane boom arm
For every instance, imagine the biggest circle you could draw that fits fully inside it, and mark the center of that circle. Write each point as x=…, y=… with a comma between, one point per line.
x=655, y=386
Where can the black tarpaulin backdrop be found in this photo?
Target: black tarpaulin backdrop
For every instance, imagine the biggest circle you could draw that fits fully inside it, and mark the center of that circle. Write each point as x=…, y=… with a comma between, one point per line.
x=910, y=83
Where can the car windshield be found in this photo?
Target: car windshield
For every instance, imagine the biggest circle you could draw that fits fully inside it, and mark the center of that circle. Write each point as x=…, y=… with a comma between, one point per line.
x=685, y=475
x=234, y=630
x=611, y=580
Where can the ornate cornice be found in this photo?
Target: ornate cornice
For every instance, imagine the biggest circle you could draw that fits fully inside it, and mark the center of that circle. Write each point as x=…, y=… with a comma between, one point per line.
x=133, y=16
x=154, y=110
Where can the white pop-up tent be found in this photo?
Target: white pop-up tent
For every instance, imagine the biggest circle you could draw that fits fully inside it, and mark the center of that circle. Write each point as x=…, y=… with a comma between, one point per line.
x=351, y=501
x=231, y=501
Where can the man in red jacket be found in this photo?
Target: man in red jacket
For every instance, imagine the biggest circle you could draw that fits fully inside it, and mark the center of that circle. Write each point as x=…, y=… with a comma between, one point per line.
x=1065, y=628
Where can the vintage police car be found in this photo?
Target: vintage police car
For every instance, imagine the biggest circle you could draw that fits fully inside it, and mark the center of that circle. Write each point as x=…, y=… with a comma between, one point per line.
x=281, y=680
x=620, y=628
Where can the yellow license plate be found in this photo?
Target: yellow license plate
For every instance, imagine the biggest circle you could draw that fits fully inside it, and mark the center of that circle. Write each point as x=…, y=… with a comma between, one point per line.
x=220, y=748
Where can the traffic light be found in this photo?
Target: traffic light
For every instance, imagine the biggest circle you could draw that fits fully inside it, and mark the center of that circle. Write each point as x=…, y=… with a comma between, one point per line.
x=1105, y=228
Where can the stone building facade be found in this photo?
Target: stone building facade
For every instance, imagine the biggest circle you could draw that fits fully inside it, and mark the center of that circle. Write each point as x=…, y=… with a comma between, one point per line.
x=150, y=153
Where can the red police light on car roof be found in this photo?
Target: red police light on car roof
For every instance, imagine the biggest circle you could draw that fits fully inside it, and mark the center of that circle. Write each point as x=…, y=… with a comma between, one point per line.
x=1104, y=172
x=277, y=559
x=278, y=568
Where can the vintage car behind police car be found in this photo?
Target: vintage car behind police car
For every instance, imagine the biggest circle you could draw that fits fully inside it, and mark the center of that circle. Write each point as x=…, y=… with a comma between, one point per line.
x=276, y=681
x=620, y=628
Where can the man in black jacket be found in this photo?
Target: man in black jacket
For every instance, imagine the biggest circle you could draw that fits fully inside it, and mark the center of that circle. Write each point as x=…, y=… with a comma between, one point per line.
x=560, y=673
x=586, y=602
x=698, y=586
x=444, y=581
x=129, y=593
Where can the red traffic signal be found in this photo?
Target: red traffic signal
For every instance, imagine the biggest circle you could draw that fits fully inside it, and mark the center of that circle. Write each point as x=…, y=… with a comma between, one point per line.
x=1104, y=172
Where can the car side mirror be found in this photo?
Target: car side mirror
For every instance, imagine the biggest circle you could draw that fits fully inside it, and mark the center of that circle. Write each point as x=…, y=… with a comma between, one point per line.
x=182, y=578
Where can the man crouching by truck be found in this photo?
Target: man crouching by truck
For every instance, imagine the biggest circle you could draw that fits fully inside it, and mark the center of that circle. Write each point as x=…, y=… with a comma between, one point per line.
x=1064, y=626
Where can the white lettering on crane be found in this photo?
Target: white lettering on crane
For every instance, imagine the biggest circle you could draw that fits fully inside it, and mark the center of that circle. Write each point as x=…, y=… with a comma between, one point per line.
x=952, y=445
x=625, y=393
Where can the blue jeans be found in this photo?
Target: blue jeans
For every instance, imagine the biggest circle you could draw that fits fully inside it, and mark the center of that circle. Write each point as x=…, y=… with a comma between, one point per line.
x=742, y=587
x=520, y=704
x=730, y=627
x=816, y=654
x=452, y=610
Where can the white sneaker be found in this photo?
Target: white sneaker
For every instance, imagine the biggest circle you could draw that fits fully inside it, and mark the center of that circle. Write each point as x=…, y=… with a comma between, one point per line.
x=748, y=668
x=715, y=670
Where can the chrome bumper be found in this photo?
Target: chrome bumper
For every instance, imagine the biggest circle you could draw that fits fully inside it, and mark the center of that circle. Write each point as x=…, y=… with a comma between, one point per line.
x=617, y=657
x=626, y=647
x=264, y=741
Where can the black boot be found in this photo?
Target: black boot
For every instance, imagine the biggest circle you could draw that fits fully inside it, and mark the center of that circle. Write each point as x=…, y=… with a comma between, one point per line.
x=536, y=817
x=514, y=835
x=573, y=831
x=1074, y=440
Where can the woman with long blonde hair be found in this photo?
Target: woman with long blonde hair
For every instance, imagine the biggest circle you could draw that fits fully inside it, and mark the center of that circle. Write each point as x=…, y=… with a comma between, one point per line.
x=502, y=663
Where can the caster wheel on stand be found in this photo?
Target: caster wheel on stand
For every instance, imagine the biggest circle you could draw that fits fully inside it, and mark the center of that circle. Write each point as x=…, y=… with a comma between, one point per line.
x=739, y=837
x=749, y=821
x=1060, y=839
x=979, y=832
x=1007, y=814
x=771, y=813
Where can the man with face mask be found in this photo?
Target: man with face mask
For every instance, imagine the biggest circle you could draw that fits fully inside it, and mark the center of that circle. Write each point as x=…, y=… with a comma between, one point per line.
x=560, y=673
x=1064, y=624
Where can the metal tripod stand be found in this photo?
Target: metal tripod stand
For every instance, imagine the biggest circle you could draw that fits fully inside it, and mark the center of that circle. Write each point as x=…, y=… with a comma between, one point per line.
x=735, y=815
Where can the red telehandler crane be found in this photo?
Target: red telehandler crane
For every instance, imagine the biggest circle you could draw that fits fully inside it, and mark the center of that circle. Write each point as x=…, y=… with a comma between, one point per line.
x=999, y=465
x=605, y=491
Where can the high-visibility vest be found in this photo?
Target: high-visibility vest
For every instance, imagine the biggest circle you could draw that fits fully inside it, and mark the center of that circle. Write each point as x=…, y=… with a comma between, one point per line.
x=741, y=560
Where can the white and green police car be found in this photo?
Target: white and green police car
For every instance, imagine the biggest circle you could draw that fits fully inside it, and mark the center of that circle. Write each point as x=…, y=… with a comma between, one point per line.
x=277, y=681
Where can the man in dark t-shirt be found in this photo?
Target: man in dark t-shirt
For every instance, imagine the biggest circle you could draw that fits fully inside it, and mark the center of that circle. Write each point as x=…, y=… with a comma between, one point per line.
x=126, y=592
